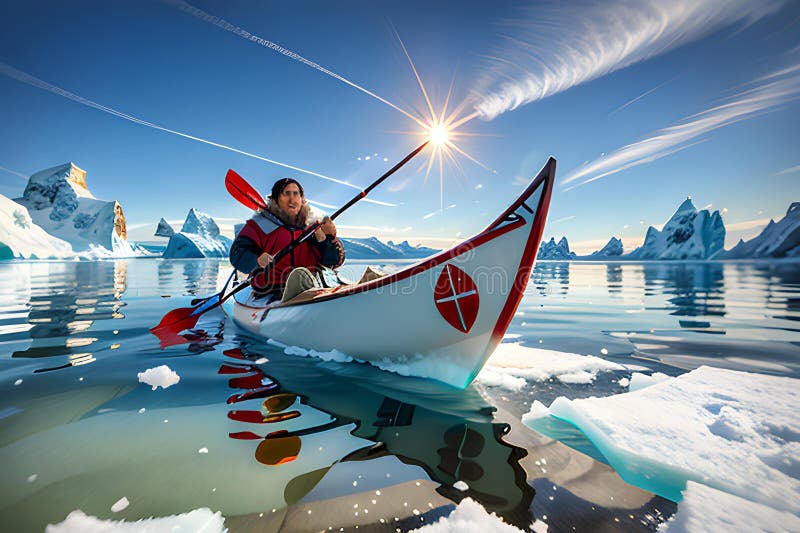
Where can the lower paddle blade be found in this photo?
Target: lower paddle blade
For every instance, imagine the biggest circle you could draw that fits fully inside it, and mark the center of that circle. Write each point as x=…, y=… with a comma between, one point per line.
x=172, y=324
x=243, y=191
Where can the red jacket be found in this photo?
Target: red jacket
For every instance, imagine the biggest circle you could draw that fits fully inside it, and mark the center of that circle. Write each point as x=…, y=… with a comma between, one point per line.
x=266, y=233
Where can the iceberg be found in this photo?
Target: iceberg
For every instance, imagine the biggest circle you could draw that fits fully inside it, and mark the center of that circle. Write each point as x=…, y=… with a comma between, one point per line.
x=613, y=248
x=736, y=432
x=688, y=234
x=59, y=201
x=199, y=237
x=778, y=239
x=552, y=251
x=21, y=238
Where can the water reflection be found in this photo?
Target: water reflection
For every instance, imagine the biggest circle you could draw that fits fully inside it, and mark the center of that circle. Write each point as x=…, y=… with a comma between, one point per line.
x=547, y=272
x=692, y=289
x=62, y=309
x=614, y=278
x=450, y=435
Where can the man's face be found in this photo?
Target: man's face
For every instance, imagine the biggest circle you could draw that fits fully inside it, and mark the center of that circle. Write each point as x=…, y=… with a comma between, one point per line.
x=290, y=201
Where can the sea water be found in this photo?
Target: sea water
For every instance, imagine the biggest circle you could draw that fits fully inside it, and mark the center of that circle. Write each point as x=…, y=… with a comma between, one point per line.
x=337, y=446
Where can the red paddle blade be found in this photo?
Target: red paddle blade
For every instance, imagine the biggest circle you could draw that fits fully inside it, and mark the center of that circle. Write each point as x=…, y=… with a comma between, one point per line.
x=243, y=191
x=172, y=324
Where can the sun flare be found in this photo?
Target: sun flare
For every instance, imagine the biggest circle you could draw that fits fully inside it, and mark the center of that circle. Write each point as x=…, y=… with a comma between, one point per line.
x=438, y=134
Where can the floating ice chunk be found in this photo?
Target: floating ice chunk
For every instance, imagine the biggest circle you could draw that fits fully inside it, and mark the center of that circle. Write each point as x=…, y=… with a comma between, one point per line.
x=198, y=520
x=460, y=485
x=490, y=378
x=261, y=361
x=160, y=376
x=735, y=431
x=120, y=505
x=706, y=509
x=624, y=382
x=469, y=516
x=538, y=410
x=32, y=478
x=537, y=364
x=203, y=450
x=18, y=382
x=640, y=381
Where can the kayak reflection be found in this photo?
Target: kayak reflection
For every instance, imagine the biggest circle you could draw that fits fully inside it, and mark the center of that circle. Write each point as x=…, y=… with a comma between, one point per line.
x=448, y=433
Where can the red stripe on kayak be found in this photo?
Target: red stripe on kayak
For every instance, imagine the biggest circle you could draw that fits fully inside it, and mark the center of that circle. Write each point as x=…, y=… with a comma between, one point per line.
x=531, y=248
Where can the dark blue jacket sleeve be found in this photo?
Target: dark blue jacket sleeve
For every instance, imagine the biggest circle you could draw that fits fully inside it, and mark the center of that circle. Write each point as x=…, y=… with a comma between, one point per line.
x=331, y=251
x=244, y=254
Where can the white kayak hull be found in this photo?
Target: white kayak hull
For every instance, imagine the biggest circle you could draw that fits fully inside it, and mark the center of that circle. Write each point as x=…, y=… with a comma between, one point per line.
x=440, y=318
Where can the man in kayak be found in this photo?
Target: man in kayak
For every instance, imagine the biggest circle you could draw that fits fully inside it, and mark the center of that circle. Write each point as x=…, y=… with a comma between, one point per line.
x=269, y=231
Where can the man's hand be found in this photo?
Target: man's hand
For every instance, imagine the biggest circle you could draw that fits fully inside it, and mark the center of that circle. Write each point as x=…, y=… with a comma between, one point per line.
x=264, y=259
x=327, y=228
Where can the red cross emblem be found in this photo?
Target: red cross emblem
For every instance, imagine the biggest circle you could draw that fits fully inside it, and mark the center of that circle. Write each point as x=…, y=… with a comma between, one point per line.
x=456, y=298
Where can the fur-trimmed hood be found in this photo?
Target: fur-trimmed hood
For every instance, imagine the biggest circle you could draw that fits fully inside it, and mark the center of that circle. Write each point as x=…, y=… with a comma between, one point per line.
x=273, y=216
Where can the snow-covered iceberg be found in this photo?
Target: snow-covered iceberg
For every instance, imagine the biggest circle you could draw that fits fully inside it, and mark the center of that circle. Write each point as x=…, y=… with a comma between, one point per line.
x=613, y=248
x=778, y=239
x=199, y=237
x=555, y=251
x=688, y=234
x=374, y=248
x=58, y=201
x=736, y=432
x=21, y=238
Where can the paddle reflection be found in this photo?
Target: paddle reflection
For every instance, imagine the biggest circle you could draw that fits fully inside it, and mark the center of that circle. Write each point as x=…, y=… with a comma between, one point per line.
x=282, y=404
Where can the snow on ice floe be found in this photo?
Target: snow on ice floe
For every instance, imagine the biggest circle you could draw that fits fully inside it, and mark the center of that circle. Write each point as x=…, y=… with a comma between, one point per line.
x=735, y=431
x=198, y=520
x=705, y=509
x=512, y=364
x=160, y=376
x=469, y=516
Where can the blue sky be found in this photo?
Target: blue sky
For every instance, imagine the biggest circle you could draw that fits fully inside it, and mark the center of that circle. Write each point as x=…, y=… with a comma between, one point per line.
x=642, y=103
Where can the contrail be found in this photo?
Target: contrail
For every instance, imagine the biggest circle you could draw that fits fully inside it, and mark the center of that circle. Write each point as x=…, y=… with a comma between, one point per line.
x=18, y=75
x=225, y=25
x=766, y=95
x=567, y=45
x=19, y=174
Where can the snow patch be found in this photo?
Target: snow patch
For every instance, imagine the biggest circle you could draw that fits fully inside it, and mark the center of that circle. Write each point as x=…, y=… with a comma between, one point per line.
x=706, y=509
x=512, y=362
x=198, y=520
x=21, y=238
x=640, y=381
x=460, y=485
x=160, y=376
x=469, y=516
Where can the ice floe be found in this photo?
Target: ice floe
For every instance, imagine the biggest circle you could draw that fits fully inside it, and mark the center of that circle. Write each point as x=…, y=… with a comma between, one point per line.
x=467, y=517
x=512, y=364
x=120, y=505
x=706, y=509
x=333, y=355
x=198, y=520
x=737, y=432
x=160, y=376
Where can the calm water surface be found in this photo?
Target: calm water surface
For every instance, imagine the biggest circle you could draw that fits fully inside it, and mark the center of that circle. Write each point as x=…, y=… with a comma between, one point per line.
x=288, y=443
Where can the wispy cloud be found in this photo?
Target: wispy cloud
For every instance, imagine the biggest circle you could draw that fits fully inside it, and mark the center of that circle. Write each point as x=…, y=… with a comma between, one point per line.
x=747, y=224
x=767, y=94
x=566, y=44
x=788, y=170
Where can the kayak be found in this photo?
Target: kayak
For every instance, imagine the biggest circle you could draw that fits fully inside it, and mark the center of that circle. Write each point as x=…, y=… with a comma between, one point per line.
x=440, y=318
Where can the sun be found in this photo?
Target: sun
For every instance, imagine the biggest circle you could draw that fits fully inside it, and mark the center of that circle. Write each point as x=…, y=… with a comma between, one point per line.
x=438, y=134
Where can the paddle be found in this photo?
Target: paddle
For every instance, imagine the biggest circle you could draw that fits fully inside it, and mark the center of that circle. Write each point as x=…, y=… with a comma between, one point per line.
x=183, y=318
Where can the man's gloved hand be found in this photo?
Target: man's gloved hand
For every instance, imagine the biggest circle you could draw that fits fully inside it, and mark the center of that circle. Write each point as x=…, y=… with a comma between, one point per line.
x=326, y=228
